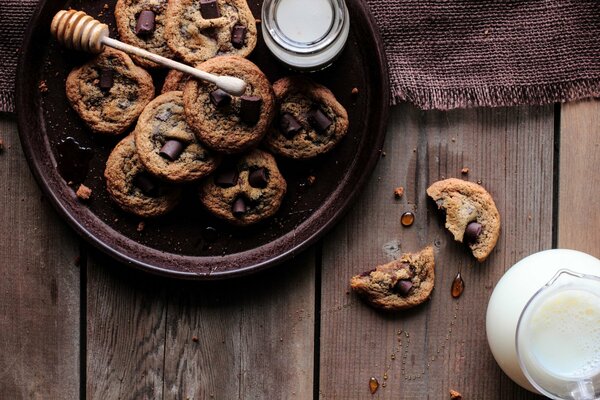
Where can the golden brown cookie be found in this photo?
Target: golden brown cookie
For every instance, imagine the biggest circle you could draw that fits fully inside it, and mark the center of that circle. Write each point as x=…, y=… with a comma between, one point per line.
x=109, y=92
x=246, y=190
x=175, y=81
x=132, y=188
x=400, y=284
x=166, y=144
x=230, y=124
x=199, y=30
x=141, y=23
x=471, y=214
x=310, y=120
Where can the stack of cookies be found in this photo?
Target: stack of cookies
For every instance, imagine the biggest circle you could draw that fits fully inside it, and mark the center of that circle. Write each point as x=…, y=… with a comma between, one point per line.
x=193, y=132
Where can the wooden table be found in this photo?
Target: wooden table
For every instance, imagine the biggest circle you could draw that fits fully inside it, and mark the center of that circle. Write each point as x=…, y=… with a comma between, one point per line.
x=75, y=324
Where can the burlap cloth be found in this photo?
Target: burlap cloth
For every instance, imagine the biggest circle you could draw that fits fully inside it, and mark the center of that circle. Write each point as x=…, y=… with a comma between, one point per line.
x=447, y=53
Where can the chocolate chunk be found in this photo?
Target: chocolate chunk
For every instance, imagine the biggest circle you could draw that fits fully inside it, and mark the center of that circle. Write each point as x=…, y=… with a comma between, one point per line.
x=238, y=36
x=226, y=178
x=250, y=109
x=146, y=185
x=318, y=120
x=403, y=286
x=472, y=232
x=171, y=150
x=289, y=125
x=209, y=9
x=239, y=207
x=258, y=178
x=163, y=115
x=145, y=23
x=106, y=78
x=220, y=98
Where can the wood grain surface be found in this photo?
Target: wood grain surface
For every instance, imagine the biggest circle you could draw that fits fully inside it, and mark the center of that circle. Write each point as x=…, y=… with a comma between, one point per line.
x=39, y=286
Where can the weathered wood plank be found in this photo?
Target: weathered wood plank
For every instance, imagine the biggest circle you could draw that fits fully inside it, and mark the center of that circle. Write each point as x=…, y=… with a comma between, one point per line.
x=511, y=152
x=39, y=286
x=251, y=338
x=579, y=181
x=126, y=314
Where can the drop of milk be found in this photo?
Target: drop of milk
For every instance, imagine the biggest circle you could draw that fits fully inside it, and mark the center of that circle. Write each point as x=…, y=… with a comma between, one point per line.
x=304, y=21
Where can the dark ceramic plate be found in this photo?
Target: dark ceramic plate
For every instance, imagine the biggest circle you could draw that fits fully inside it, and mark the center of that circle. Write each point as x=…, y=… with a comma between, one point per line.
x=189, y=243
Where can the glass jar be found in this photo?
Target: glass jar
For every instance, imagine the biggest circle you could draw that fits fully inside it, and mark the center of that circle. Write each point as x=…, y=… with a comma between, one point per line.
x=306, y=35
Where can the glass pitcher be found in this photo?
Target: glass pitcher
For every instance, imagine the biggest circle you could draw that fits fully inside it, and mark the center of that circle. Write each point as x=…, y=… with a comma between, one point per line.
x=558, y=337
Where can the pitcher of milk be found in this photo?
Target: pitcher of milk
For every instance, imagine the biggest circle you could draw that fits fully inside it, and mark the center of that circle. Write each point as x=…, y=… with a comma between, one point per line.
x=543, y=324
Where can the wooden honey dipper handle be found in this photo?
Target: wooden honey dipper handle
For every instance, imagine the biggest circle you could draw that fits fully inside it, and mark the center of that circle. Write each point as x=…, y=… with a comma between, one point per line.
x=77, y=30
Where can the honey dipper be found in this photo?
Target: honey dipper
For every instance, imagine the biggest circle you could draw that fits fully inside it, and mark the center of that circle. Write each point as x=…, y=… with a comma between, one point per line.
x=77, y=30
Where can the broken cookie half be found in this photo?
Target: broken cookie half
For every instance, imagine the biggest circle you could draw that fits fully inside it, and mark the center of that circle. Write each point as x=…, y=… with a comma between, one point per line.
x=400, y=284
x=471, y=214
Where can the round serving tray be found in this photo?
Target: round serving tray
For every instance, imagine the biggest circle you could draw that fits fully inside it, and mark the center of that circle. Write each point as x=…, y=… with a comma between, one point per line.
x=189, y=243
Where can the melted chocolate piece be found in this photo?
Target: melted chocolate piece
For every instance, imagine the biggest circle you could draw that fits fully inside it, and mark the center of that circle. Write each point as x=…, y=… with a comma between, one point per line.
x=209, y=9
x=146, y=184
x=403, y=286
x=106, y=78
x=239, y=207
x=472, y=232
x=145, y=23
x=318, y=120
x=258, y=178
x=220, y=98
x=226, y=178
x=238, y=36
x=250, y=109
x=289, y=125
x=171, y=150
x=73, y=160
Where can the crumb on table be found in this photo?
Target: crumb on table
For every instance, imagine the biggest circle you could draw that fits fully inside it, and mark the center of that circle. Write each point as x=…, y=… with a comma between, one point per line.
x=399, y=192
x=354, y=91
x=464, y=171
x=43, y=86
x=311, y=180
x=454, y=395
x=1, y=145
x=84, y=192
x=141, y=226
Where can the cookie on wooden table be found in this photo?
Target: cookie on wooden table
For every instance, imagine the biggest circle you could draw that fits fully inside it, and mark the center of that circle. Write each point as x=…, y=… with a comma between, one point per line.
x=132, y=187
x=400, y=284
x=230, y=124
x=167, y=145
x=198, y=30
x=109, y=92
x=310, y=122
x=471, y=214
x=245, y=191
x=141, y=23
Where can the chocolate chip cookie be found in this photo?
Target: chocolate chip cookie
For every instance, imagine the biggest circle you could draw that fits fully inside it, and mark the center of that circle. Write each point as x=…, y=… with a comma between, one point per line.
x=198, y=30
x=471, y=214
x=166, y=144
x=310, y=122
x=109, y=92
x=230, y=124
x=141, y=23
x=132, y=188
x=400, y=284
x=245, y=191
x=175, y=80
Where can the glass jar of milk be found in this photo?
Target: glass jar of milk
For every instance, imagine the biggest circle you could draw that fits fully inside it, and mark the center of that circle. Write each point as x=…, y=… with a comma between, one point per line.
x=306, y=35
x=543, y=324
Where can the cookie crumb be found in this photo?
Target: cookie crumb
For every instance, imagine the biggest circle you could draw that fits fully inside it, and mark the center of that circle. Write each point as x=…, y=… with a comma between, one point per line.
x=464, y=171
x=258, y=21
x=1, y=145
x=399, y=192
x=141, y=226
x=354, y=91
x=83, y=192
x=311, y=180
x=454, y=395
x=195, y=339
x=43, y=86
x=453, y=139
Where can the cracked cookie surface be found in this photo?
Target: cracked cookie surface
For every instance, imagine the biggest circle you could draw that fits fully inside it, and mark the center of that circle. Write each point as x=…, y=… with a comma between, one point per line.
x=175, y=81
x=465, y=203
x=132, y=188
x=196, y=37
x=163, y=121
x=127, y=13
x=222, y=128
x=110, y=110
x=236, y=179
x=298, y=97
x=400, y=284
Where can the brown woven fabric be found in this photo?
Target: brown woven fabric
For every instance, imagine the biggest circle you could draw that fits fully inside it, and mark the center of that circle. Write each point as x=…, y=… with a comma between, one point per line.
x=447, y=53
x=460, y=53
x=14, y=15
